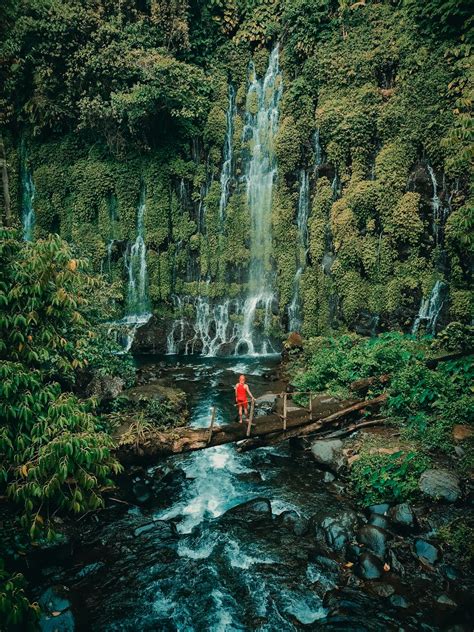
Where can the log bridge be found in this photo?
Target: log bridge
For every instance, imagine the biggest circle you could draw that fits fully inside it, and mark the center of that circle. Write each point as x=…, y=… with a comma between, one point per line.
x=322, y=415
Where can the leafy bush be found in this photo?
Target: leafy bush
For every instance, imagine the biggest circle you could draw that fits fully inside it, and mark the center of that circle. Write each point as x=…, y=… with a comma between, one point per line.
x=15, y=609
x=52, y=454
x=459, y=535
x=387, y=477
x=455, y=337
x=334, y=363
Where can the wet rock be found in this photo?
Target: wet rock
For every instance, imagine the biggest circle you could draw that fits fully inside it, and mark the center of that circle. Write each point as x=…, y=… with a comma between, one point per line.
x=141, y=491
x=251, y=511
x=377, y=520
x=160, y=528
x=369, y=566
x=328, y=454
x=381, y=509
x=450, y=572
x=426, y=552
x=252, y=477
x=328, y=477
x=399, y=601
x=338, y=529
x=446, y=601
x=294, y=522
x=382, y=589
x=395, y=564
x=402, y=515
x=89, y=569
x=440, y=484
x=326, y=563
x=56, y=615
x=353, y=552
x=374, y=539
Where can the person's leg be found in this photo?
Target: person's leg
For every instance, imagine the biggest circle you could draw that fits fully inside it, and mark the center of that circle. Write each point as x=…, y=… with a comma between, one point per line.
x=240, y=413
x=246, y=408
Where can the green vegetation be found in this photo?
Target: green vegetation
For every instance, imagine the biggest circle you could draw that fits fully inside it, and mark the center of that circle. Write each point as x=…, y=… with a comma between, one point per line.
x=426, y=399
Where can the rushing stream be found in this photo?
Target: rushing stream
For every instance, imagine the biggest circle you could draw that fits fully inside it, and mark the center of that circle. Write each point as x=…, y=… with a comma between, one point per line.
x=190, y=557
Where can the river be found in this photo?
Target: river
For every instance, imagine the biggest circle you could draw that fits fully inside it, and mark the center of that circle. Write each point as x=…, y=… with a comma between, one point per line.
x=185, y=562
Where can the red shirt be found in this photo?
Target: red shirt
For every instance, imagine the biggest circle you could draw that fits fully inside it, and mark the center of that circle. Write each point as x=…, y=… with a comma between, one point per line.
x=241, y=393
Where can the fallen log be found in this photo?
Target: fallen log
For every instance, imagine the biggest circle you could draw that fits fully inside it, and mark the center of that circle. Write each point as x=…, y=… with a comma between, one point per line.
x=313, y=427
x=164, y=443
x=363, y=385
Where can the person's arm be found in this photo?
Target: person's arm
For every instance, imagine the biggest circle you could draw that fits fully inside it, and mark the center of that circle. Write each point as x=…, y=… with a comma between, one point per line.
x=248, y=391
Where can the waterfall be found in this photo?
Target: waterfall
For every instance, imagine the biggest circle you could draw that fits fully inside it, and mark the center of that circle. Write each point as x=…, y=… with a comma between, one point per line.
x=27, y=198
x=440, y=212
x=294, y=309
x=137, y=295
x=430, y=309
x=261, y=123
x=226, y=172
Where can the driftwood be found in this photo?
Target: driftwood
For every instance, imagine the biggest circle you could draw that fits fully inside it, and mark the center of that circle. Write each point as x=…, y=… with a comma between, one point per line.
x=268, y=430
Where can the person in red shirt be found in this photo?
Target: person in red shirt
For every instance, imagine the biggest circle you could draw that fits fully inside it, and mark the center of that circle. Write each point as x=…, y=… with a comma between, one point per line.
x=241, y=392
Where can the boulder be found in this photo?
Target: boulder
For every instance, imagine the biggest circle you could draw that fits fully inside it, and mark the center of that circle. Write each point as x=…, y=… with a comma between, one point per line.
x=399, y=601
x=369, y=566
x=440, y=484
x=56, y=615
x=252, y=510
x=402, y=515
x=105, y=387
x=338, y=529
x=426, y=552
x=378, y=521
x=329, y=455
x=381, y=509
x=374, y=539
x=295, y=523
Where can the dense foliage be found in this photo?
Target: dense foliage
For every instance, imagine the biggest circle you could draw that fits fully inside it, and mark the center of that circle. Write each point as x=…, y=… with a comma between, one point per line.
x=427, y=398
x=102, y=99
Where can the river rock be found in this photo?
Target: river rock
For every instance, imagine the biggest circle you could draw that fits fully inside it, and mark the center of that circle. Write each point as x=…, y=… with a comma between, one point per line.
x=251, y=511
x=382, y=589
x=369, y=566
x=160, y=528
x=426, y=552
x=381, y=509
x=56, y=615
x=450, y=572
x=378, y=521
x=446, y=601
x=328, y=454
x=402, y=515
x=374, y=539
x=295, y=523
x=338, y=529
x=399, y=601
x=440, y=484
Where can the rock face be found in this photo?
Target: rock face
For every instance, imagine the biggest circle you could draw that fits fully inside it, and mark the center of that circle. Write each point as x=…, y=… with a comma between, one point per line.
x=56, y=614
x=294, y=522
x=329, y=455
x=440, y=484
x=151, y=337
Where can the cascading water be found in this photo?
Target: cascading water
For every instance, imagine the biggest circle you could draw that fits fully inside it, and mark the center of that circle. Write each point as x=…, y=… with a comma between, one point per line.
x=27, y=198
x=226, y=172
x=430, y=309
x=440, y=212
x=294, y=309
x=261, y=123
x=138, y=306
x=137, y=294
x=318, y=151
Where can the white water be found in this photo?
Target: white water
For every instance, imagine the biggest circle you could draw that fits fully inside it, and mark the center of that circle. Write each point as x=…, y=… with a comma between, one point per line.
x=228, y=152
x=430, y=309
x=27, y=200
x=261, y=124
x=318, y=152
x=294, y=309
x=440, y=212
x=137, y=293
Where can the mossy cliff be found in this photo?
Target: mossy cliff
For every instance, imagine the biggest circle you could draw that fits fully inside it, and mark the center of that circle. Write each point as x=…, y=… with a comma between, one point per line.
x=368, y=109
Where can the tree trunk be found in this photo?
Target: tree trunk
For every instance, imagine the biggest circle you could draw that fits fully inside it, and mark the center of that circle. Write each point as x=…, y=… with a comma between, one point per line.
x=6, y=189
